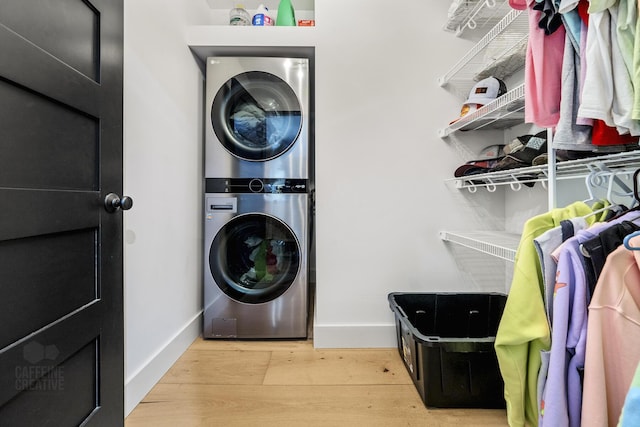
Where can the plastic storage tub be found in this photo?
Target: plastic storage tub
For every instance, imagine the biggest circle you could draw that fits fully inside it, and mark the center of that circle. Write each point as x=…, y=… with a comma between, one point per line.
x=446, y=341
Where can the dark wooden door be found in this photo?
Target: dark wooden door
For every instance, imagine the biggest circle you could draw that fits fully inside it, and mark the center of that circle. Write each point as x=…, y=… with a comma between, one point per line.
x=61, y=315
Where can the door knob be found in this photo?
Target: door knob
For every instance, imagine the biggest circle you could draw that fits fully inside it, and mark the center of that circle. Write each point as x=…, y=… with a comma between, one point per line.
x=113, y=202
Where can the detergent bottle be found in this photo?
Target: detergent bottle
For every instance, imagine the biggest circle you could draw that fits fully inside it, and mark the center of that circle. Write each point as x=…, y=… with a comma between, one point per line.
x=286, y=14
x=239, y=16
x=261, y=17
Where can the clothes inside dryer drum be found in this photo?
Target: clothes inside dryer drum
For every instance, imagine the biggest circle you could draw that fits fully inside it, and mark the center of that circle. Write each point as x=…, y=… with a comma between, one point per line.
x=256, y=116
x=254, y=258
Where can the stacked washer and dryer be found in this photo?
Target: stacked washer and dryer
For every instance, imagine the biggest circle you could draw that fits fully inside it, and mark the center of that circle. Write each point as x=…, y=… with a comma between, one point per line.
x=257, y=201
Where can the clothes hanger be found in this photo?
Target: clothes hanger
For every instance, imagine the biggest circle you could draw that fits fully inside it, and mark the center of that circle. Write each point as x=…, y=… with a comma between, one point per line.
x=588, y=182
x=592, y=180
x=607, y=201
x=636, y=202
x=604, y=209
x=610, y=192
x=613, y=178
x=627, y=241
x=636, y=196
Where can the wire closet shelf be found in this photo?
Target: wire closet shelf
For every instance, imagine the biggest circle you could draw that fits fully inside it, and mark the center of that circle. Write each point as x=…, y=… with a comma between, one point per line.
x=495, y=243
x=505, y=112
x=624, y=162
x=474, y=14
x=500, y=53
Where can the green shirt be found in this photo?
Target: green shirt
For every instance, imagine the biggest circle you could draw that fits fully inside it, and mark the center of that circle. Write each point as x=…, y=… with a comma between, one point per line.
x=524, y=330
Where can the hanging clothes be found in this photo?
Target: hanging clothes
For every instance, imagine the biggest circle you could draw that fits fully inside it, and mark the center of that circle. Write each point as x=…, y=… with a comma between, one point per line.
x=585, y=130
x=608, y=90
x=562, y=395
x=631, y=409
x=543, y=68
x=523, y=331
x=569, y=134
x=581, y=7
x=543, y=72
x=550, y=19
x=635, y=76
x=604, y=244
x=570, y=307
x=545, y=244
x=612, y=350
x=551, y=240
x=625, y=32
x=603, y=136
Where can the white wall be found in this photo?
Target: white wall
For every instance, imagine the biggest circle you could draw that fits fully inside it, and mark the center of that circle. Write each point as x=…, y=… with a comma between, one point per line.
x=163, y=174
x=381, y=197
x=380, y=169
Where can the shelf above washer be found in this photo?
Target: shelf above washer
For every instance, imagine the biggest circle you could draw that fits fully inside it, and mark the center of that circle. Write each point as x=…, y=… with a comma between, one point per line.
x=212, y=40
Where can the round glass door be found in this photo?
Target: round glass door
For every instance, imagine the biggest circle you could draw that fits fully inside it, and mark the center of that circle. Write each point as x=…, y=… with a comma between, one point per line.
x=256, y=116
x=254, y=258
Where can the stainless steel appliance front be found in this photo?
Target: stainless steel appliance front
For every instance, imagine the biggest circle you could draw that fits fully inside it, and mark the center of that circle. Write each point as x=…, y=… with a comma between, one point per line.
x=255, y=258
x=257, y=117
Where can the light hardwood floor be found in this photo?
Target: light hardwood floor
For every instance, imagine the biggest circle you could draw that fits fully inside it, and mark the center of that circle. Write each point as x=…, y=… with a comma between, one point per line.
x=289, y=383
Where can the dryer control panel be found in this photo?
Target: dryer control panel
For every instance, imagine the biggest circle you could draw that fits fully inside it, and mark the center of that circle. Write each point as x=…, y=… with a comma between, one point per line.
x=255, y=185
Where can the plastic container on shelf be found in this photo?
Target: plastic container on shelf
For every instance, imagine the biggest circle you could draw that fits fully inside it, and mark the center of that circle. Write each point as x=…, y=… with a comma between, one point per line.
x=286, y=14
x=261, y=17
x=239, y=16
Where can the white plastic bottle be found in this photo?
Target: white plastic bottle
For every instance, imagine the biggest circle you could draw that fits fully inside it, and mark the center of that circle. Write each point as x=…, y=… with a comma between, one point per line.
x=261, y=17
x=239, y=16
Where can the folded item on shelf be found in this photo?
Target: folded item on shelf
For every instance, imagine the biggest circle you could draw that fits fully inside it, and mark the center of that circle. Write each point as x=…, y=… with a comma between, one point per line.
x=534, y=146
x=456, y=8
x=542, y=159
x=501, y=61
x=618, y=148
x=564, y=155
x=482, y=93
x=491, y=156
x=522, y=151
x=516, y=144
x=487, y=159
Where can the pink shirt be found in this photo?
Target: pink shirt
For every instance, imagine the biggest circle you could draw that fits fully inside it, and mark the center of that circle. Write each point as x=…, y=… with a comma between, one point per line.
x=543, y=70
x=613, y=334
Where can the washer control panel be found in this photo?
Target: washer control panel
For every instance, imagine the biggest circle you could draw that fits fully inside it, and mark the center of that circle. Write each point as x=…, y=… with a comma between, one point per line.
x=255, y=185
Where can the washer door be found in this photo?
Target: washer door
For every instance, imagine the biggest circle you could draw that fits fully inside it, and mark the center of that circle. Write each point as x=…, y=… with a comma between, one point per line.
x=254, y=258
x=256, y=116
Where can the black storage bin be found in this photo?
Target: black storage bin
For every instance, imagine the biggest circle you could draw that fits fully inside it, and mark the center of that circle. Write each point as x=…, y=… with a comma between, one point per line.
x=446, y=341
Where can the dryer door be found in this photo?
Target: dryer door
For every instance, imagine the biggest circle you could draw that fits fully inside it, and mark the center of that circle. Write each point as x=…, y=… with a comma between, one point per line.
x=254, y=258
x=256, y=116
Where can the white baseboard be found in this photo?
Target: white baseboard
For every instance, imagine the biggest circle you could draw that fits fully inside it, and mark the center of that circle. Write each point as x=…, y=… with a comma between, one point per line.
x=138, y=384
x=354, y=336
